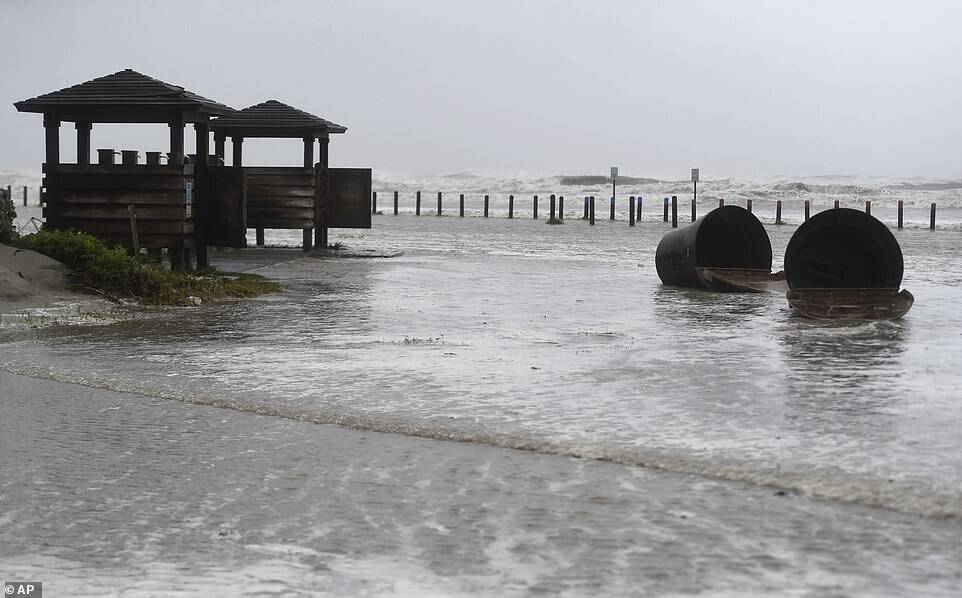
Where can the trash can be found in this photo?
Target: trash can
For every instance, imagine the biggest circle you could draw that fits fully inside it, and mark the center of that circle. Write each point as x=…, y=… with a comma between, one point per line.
x=129, y=157
x=845, y=264
x=728, y=239
x=105, y=156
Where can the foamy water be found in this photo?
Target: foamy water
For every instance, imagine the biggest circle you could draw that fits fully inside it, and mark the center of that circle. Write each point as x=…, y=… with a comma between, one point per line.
x=560, y=340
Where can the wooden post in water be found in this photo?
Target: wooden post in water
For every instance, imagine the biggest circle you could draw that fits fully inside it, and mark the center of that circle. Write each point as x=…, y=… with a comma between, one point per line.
x=591, y=210
x=868, y=207
x=535, y=207
x=461, y=205
x=511, y=206
x=308, y=237
x=439, y=203
x=374, y=202
x=485, y=206
x=666, y=210
x=631, y=210
x=836, y=204
x=674, y=211
x=417, y=205
x=611, y=208
x=778, y=212
x=561, y=207
x=694, y=211
x=808, y=209
x=585, y=217
x=552, y=207
x=395, y=203
x=932, y=217
x=638, y=212
x=748, y=206
x=900, y=213
x=24, y=196
x=721, y=202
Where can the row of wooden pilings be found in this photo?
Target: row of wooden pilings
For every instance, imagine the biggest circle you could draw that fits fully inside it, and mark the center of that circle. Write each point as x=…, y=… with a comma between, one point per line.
x=10, y=194
x=589, y=208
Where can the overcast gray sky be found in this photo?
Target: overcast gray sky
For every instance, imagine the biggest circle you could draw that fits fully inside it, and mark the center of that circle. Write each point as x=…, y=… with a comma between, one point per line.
x=738, y=88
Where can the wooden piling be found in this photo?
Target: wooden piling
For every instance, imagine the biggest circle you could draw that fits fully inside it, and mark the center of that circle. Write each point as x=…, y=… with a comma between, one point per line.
x=260, y=237
x=24, y=196
x=485, y=206
x=591, y=210
x=638, y=211
x=900, y=213
x=674, y=211
x=561, y=207
x=439, y=203
x=631, y=210
x=748, y=206
x=721, y=202
x=778, y=212
x=551, y=208
x=461, y=205
x=611, y=208
x=868, y=207
x=395, y=203
x=308, y=235
x=694, y=210
x=585, y=217
x=417, y=205
x=808, y=209
x=836, y=204
x=374, y=202
x=511, y=206
x=666, y=210
x=932, y=217
x=535, y=211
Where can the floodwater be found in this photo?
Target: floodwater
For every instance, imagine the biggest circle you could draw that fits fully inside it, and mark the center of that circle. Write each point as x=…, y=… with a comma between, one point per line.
x=674, y=442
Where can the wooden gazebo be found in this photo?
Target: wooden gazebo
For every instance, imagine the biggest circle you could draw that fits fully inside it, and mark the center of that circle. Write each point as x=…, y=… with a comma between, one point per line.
x=153, y=204
x=312, y=197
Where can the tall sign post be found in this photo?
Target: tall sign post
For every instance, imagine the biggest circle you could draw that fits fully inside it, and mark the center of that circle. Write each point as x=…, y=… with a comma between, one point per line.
x=614, y=187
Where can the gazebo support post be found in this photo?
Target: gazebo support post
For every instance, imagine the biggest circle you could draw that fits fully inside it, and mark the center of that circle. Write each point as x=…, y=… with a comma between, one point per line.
x=320, y=232
x=308, y=163
x=51, y=128
x=178, y=255
x=202, y=133
x=83, y=142
x=219, y=140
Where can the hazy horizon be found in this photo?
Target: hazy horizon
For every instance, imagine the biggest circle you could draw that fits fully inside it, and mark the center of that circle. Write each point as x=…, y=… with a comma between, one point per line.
x=740, y=89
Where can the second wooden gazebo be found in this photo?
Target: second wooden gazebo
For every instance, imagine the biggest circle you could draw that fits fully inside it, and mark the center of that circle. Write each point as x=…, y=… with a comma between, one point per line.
x=281, y=197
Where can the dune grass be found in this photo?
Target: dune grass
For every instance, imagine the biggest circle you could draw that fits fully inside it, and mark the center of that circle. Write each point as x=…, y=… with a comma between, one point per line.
x=113, y=273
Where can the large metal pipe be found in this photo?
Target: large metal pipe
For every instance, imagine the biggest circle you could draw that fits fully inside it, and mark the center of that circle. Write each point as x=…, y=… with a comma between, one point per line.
x=843, y=249
x=725, y=238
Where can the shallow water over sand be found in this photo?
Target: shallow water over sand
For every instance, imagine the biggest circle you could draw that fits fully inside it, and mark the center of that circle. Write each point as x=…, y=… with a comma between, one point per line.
x=560, y=339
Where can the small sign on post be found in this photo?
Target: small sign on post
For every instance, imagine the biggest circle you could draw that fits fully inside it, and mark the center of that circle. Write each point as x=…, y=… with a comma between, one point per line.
x=614, y=187
x=694, y=194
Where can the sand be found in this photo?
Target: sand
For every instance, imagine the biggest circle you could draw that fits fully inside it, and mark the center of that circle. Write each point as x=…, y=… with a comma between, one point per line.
x=31, y=282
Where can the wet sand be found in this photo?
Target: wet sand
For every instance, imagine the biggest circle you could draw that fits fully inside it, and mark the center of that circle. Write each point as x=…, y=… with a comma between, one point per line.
x=107, y=493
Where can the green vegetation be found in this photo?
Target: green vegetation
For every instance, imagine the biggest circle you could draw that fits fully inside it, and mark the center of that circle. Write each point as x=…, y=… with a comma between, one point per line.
x=7, y=214
x=117, y=275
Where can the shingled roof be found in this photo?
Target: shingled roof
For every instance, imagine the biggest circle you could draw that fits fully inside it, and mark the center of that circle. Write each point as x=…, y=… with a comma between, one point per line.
x=127, y=89
x=274, y=119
